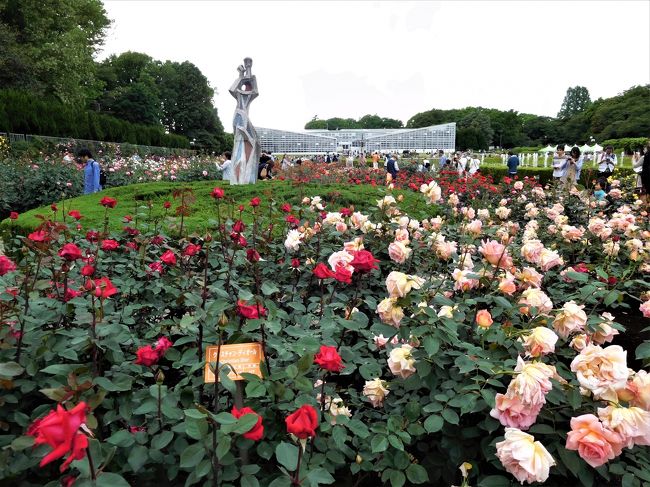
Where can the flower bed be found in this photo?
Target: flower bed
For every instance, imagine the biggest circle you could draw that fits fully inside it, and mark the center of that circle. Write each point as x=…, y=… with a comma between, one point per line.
x=476, y=347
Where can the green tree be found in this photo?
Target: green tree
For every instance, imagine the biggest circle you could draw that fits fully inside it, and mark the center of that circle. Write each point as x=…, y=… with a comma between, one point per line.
x=58, y=39
x=575, y=101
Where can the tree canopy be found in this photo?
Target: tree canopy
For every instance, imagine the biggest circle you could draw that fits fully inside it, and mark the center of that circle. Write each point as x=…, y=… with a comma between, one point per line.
x=576, y=100
x=365, y=122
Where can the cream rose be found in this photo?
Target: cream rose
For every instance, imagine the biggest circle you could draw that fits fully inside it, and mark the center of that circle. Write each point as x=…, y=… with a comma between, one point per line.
x=401, y=362
x=601, y=370
x=540, y=341
x=389, y=312
x=398, y=252
x=376, y=391
x=400, y=284
x=570, y=319
x=526, y=459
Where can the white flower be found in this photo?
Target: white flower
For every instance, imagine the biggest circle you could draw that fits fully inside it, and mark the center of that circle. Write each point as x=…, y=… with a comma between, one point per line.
x=293, y=240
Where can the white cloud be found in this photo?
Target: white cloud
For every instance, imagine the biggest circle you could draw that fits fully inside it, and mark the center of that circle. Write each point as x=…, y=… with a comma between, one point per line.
x=393, y=58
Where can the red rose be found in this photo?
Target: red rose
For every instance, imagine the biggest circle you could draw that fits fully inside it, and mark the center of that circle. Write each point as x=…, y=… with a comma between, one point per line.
x=581, y=267
x=167, y=205
x=238, y=227
x=70, y=294
x=329, y=359
x=255, y=202
x=257, y=432
x=13, y=215
x=157, y=240
x=191, y=250
x=295, y=263
x=92, y=236
x=321, y=271
x=104, y=288
x=250, y=311
x=168, y=258
x=60, y=430
x=217, y=193
x=53, y=207
x=345, y=212
x=156, y=267
x=39, y=236
x=303, y=422
x=75, y=214
x=162, y=345
x=109, y=244
x=128, y=218
x=241, y=241
x=343, y=275
x=286, y=207
x=68, y=481
x=363, y=261
x=87, y=270
x=108, y=202
x=292, y=219
x=131, y=245
x=252, y=255
x=70, y=252
x=147, y=356
x=6, y=265
x=241, y=208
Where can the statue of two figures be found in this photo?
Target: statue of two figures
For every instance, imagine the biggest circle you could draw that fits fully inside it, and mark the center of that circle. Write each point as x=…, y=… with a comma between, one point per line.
x=246, y=149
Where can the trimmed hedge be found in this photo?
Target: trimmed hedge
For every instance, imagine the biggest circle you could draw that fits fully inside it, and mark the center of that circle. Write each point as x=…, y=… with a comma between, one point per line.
x=26, y=113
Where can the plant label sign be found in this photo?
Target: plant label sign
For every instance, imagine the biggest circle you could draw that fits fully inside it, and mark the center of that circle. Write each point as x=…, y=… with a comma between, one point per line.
x=240, y=357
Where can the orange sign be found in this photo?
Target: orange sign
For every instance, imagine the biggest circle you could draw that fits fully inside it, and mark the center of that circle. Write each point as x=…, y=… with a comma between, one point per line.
x=240, y=357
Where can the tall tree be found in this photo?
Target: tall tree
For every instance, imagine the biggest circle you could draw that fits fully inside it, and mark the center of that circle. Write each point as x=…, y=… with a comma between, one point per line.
x=59, y=39
x=575, y=101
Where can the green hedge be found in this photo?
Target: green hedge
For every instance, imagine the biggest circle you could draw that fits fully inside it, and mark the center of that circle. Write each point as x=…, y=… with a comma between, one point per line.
x=628, y=144
x=26, y=113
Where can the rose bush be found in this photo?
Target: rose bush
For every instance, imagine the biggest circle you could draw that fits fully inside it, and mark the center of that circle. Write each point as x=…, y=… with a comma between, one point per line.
x=488, y=347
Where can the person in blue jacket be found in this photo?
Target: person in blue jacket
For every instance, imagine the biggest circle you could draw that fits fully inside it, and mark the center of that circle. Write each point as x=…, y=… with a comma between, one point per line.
x=91, y=172
x=513, y=163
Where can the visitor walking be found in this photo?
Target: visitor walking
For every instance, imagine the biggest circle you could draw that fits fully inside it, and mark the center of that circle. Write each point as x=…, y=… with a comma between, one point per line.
x=375, y=160
x=226, y=166
x=513, y=163
x=443, y=160
x=607, y=162
x=559, y=162
x=391, y=167
x=91, y=172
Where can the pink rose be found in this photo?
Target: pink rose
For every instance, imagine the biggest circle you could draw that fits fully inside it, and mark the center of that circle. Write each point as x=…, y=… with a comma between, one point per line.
x=595, y=444
x=511, y=411
x=398, y=252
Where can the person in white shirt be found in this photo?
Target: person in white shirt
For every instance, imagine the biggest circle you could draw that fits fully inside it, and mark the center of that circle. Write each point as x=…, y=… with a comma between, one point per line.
x=225, y=166
x=559, y=162
x=286, y=163
x=462, y=164
x=349, y=162
x=607, y=162
x=474, y=165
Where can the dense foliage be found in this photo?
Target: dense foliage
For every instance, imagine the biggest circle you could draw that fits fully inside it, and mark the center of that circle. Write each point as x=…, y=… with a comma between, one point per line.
x=365, y=122
x=396, y=349
x=27, y=113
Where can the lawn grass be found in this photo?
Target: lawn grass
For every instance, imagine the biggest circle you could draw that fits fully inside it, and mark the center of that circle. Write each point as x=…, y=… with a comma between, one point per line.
x=134, y=199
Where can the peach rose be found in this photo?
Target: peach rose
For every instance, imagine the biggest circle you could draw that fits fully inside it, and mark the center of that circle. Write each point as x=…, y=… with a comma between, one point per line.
x=531, y=250
x=444, y=250
x=601, y=370
x=549, y=259
x=633, y=424
x=571, y=319
x=401, y=362
x=529, y=277
x=358, y=219
x=540, y=341
x=398, y=252
x=400, y=284
x=462, y=282
x=526, y=459
x=536, y=298
x=389, y=312
x=638, y=390
x=493, y=251
x=579, y=342
x=474, y=227
x=376, y=391
x=354, y=245
x=514, y=413
x=507, y=285
x=341, y=258
x=604, y=333
x=484, y=319
x=532, y=381
x=645, y=309
x=595, y=444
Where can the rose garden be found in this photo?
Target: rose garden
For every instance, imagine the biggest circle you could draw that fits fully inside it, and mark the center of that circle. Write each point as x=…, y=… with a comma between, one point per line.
x=441, y=331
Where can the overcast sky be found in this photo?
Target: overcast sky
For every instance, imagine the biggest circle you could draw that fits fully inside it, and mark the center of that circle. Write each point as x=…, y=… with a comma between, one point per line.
x=393, y=58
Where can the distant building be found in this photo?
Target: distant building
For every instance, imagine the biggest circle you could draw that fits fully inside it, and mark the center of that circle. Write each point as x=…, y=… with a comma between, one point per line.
x=424, y=139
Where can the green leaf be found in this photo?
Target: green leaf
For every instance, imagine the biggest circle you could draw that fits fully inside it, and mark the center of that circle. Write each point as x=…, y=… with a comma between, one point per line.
x=246, y=423
x=287, y=455
x=433, y=423
x=304, y=364
x=319, y=476
x=379, y=443
x=223, y=446
x=577, y=276
x=22, y=443
x=417, y=474
x=503, y=302
x=248, y=481
x=161, y=440
x=122, y=438
x=137, y=457
x=255, y=389
x=643, y=351
x=192, y=455
x=543, y=429
x=431, y=345
x=571, y=460
x=450, y=416
x=196, y=414
x=107, y=385
x=494, y=481
x=224, y=418
x=108, y=479
x=10, y=369
x=269, y=288
x=397, y=478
